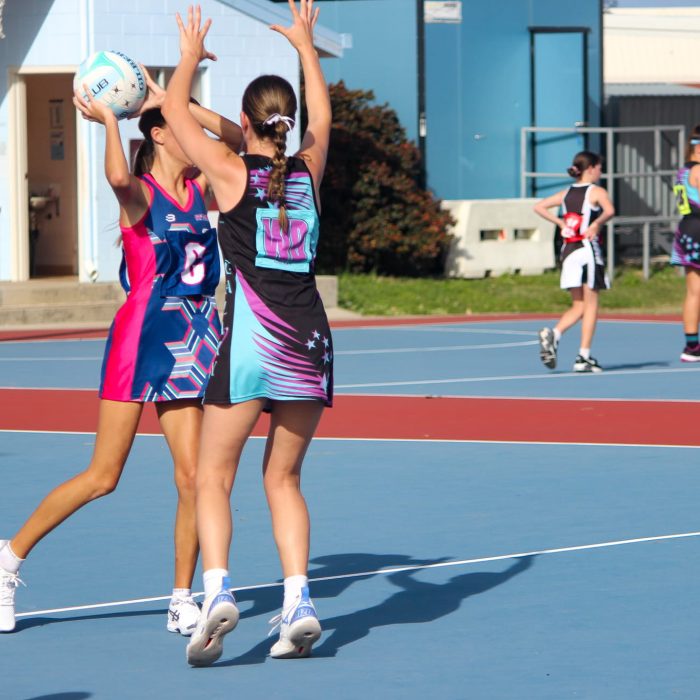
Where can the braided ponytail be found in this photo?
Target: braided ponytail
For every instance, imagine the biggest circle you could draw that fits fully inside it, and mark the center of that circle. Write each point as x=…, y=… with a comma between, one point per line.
x=270, y=104
x=275, y=190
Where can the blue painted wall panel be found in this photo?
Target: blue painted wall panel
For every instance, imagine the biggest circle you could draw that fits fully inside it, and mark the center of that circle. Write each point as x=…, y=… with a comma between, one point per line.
x=478, y=91
x=384, y=55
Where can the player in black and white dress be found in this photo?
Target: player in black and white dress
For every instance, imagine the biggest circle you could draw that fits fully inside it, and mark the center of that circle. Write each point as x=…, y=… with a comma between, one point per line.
x=584, y=208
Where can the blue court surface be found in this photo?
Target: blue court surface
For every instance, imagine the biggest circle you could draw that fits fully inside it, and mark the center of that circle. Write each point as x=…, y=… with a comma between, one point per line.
x=443, y=569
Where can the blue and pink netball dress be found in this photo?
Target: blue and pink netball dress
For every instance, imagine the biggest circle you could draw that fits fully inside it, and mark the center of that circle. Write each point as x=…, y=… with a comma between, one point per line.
x=686, y=242
x=277, y=341
x=163, y=340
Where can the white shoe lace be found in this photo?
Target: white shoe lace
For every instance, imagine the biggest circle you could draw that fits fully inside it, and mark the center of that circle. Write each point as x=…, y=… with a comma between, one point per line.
x=276, y=621
x=8, y=583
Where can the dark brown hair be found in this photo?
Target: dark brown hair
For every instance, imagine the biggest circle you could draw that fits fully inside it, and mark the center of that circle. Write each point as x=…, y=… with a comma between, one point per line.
x=690, y=146
x=582, y=161
x=143, y=160
x=267, y=97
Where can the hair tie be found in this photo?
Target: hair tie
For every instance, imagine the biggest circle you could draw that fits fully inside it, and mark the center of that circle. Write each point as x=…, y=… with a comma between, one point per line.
x=694, y=142
x=276, y=117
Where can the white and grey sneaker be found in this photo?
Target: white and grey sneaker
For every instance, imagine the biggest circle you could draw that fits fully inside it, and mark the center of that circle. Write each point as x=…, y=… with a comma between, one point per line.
x=299, y=629
x=183, y=615
x=8, y=585
x=548, y=348
x=583, y=365
x=218, y=617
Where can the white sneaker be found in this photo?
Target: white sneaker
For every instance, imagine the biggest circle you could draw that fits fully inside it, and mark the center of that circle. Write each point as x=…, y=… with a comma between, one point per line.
x=218, y=617
x=299, y=629
x=8, y=585
x=183, y=615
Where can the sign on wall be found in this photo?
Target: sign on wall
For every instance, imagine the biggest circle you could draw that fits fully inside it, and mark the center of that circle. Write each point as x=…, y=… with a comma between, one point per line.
x=443, y=12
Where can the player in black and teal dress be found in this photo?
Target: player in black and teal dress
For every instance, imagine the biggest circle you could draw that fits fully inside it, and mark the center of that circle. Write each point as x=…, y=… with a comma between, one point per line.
x=686, y=243
x=584, y=208
x=277, y=352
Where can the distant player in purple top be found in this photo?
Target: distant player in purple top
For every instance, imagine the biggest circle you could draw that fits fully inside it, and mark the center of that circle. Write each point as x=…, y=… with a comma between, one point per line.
x=686, y=243
x=162, y=342
x=277, y=352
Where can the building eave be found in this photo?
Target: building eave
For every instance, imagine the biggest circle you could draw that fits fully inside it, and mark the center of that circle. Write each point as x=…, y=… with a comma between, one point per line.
x=327, y=42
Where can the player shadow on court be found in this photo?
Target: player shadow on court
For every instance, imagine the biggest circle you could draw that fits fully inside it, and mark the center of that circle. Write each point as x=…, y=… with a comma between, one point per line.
x=29, y=622
x=79, y=695
x=348, y=568
x=267, y=600
x=636, y=365
x=417, y=602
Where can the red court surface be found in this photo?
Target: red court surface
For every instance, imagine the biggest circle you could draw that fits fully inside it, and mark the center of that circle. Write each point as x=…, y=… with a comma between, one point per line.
x=402, y=417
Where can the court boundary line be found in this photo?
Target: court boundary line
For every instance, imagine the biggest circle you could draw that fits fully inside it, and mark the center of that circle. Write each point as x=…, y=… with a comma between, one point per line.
x=456, y=441
x=382, y=572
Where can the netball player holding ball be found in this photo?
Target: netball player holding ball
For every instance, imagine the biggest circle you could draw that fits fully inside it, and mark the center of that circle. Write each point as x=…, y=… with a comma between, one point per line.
x=162, y=342
x=584, y=207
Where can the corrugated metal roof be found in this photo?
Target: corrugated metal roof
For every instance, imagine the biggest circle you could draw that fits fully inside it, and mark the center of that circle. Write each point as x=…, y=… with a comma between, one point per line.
x=650, y=90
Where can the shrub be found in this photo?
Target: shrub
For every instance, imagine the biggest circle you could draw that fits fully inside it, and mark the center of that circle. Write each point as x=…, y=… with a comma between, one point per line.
x=376, y=216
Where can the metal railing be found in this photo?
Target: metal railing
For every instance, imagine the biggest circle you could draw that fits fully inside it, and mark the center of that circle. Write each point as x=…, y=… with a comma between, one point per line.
x=610, y=132
x=646, y=222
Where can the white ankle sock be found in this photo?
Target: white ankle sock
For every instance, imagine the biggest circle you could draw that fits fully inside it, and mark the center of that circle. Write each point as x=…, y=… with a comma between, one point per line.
x=585, y=353
x=9, y=560
x=213, y=581
x=292, y=589
x=182, y=592
x=557, y=334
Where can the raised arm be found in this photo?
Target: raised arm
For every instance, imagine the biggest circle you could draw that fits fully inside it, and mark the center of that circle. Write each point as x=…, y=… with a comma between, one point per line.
x=128, y=189
x=314, y=144
x=220, y=164
x=229, y=132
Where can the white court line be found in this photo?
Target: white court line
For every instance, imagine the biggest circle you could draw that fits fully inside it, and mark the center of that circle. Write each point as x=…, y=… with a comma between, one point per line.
x=429, y=329
x=384, y=572
x=447, y=441
x=381, y=351
x=506, y=378
x=48, y=359
x=437, y=348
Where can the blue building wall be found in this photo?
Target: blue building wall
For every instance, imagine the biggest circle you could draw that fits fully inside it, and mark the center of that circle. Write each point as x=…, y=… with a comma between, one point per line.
x=384, y=53
x=478, y=91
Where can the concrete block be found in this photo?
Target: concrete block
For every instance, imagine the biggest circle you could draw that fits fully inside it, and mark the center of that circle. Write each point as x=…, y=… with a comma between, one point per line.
x=498, y=236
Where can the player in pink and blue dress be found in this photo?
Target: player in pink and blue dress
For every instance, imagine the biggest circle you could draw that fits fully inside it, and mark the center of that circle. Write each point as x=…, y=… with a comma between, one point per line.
x=161, y=345
x=277, y=352
x=686, y=243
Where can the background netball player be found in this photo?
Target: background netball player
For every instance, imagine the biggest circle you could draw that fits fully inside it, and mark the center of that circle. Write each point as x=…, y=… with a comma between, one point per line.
x=584, y=208
x=686, y=243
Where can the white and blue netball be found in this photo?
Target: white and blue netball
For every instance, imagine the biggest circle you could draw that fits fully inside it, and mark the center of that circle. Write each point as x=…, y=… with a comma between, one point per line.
x=113, y=79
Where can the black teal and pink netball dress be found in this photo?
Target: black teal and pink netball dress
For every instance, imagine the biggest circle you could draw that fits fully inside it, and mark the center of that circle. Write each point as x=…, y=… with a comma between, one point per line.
x=686, y=243
x=277, y=341
x=163, y=340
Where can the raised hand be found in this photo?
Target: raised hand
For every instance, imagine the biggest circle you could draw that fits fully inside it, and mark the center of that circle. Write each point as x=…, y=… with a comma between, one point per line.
x=154, y=97
x=192, y=34
x=301, y=34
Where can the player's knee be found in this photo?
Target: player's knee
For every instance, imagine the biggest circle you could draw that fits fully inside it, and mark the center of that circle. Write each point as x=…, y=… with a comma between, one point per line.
x=186, y=478
x=102, y=485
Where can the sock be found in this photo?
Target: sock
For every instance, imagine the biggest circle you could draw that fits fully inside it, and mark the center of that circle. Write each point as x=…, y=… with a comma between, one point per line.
x=182, y=592
x=585, y=353
x=213, y=581
x=9, y=560
x=557, y=334
x=691, y=339
x=292, y=589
